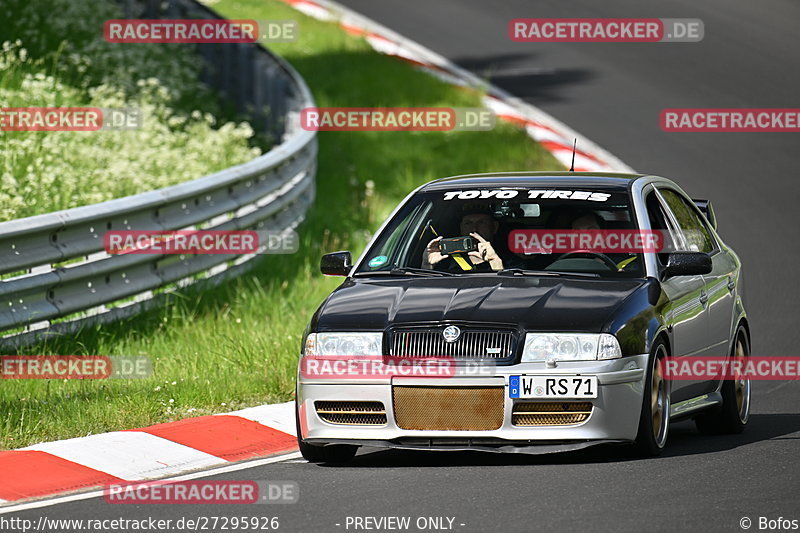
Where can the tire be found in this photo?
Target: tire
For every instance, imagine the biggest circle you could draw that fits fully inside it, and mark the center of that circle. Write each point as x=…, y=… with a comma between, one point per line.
x=654, y=419
x=732, y=416
x=332, y=453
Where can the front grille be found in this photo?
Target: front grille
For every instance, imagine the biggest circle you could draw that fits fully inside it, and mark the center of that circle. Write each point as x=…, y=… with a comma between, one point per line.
x=492, y=344
x=448, y=408
x=550, y=413
x=352, y=413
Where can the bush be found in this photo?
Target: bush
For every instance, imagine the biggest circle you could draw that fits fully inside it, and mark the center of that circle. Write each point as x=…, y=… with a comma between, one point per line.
x=58, y=57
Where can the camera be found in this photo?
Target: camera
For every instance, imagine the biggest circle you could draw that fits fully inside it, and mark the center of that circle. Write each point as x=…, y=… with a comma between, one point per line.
x=458, y=245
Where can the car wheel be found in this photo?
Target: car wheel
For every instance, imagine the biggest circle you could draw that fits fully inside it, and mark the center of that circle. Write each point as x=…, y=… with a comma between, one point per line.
x=654, y=420
x=734, y=413
x=332, y=453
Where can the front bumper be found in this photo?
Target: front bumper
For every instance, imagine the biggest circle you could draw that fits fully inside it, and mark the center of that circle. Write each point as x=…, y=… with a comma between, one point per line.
x=614, y=414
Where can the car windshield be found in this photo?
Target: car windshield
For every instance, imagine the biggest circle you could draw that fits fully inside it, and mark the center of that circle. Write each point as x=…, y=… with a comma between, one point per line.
x=509, y=231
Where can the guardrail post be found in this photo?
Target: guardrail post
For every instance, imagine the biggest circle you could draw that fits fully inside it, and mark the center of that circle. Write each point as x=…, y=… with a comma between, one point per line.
x=225, y=70
x=259, y=117
x=243, y=77
x=152, y=10
x=280, y=106
x=172, y=10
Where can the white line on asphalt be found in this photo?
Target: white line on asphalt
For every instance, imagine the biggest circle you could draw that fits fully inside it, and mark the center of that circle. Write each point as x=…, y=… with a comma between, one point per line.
x=779, y=386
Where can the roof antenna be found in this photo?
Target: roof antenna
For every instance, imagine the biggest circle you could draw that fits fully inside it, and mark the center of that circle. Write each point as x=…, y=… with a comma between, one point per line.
x=574, y=145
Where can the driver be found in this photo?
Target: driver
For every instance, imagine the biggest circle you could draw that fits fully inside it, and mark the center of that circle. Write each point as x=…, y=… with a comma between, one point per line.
x=592, y=221
x=587, y=221
x=481, y=226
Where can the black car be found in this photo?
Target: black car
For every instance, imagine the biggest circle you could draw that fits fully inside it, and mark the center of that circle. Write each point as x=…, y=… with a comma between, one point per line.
x=546, y=322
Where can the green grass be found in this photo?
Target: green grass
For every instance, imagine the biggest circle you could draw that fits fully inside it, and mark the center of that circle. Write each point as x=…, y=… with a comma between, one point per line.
x=237, y=345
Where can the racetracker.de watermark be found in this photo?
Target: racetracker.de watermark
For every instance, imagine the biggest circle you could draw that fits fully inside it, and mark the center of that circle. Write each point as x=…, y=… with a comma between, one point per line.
x=386, y=366
x=69, y=118
x=75, y=367
x=606, y=30
x=602, y=241
x=200, y=242
x=711, y=368
x=397, y=119
x=202, y=492
x=191, y=31
x=731, y=120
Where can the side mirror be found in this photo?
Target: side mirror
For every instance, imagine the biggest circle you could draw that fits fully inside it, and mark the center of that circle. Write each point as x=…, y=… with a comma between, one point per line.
x=687, y=264
x=336, y=264
x=705, y=207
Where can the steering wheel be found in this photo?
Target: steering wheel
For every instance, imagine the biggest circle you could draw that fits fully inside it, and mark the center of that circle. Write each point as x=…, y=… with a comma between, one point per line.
x=607, y=261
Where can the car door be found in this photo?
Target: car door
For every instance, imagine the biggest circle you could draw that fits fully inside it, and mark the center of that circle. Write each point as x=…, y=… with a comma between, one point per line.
x=719, y=284
x=685, y=313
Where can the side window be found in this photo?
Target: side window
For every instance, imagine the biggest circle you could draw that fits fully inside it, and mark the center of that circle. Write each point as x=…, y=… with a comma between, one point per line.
x=698, y=237
x=395, y=248
x=660, y=222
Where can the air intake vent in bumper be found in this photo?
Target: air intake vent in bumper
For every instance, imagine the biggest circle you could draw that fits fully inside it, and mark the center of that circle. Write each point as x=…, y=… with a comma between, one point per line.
x=352, y=413
x=550, y=413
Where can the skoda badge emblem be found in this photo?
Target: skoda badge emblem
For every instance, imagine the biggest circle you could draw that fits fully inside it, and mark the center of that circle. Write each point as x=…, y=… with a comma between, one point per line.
x=451, y=333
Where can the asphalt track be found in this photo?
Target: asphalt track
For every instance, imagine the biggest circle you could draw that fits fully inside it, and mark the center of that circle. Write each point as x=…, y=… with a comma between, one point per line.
x=613, y=94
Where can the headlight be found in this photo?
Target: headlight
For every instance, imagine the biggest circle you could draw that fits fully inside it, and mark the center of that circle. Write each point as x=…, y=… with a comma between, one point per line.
x=354, y=344
x=570, y=347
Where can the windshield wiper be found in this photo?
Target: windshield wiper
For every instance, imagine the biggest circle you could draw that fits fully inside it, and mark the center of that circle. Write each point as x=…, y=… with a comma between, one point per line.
x=557, y=273
x=404, y=271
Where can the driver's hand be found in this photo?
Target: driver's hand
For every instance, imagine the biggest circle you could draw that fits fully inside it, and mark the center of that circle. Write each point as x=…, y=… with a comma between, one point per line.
x=433, y=253
x=485, y=252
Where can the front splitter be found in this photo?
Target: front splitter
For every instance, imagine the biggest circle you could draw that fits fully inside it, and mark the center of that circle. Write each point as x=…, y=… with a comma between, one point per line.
x=530, y=449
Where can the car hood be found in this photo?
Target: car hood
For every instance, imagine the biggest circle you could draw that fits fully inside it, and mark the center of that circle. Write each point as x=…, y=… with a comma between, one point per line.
x=532, y=303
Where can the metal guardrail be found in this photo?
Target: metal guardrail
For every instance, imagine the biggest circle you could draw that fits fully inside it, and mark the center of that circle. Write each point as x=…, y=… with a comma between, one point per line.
x=57, y=259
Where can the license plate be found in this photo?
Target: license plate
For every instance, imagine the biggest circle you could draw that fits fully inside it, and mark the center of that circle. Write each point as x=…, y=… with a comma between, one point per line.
x=552, y=387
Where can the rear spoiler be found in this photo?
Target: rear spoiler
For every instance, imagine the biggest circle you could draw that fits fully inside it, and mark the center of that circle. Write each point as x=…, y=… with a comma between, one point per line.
x=708, y=211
